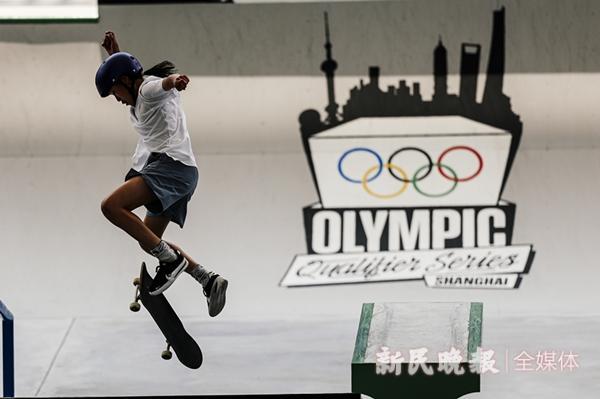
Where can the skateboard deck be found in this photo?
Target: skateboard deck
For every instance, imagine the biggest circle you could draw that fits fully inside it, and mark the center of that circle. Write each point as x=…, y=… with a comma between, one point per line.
x=187, y=350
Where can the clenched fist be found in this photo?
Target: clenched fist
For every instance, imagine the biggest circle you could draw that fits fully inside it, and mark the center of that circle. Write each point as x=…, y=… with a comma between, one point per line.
x=110, y=43
x=181, y=82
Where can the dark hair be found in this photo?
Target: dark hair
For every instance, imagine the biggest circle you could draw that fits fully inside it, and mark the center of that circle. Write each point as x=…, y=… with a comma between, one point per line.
x=162, y=69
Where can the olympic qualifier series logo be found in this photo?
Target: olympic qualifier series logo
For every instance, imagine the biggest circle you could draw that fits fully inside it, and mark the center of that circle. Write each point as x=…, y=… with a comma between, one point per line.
x=411, y=189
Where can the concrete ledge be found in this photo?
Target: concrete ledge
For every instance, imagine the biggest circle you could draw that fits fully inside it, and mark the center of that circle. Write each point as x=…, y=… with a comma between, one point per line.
x=417, y=350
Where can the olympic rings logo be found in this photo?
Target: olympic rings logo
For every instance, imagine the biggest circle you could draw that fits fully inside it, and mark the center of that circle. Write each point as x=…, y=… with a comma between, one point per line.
x=420, y=174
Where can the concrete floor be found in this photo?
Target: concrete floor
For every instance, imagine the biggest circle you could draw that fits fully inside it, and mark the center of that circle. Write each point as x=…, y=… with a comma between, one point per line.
x=93, y=356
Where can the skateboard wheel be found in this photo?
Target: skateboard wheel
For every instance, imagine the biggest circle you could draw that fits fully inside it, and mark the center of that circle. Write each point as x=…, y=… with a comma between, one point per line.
x=134, y=306
x=167, y=354
x=136, y=281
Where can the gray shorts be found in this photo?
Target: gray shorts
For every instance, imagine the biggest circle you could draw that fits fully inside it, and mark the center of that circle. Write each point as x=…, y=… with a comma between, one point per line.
x=172, y=182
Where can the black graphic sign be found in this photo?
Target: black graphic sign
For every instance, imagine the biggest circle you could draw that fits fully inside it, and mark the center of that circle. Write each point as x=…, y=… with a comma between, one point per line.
x=407, y=181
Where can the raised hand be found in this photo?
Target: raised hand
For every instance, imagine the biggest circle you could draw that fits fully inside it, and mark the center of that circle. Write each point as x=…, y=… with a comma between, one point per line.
x=110, y=43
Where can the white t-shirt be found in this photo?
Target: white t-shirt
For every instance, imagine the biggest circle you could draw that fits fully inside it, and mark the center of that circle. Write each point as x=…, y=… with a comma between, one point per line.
x=160, y=122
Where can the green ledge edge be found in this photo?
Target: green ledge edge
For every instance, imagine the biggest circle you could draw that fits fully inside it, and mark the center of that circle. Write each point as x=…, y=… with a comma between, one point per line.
x=362, y=336
x=475, y=321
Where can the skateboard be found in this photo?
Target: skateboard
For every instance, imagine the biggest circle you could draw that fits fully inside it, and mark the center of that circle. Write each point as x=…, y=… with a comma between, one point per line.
x=187, y=350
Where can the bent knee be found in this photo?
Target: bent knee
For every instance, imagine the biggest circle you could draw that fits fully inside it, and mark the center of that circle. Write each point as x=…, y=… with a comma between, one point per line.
x=109, y=207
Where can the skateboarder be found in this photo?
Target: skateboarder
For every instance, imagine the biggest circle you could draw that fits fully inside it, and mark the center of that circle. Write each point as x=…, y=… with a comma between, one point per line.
x=164, y=172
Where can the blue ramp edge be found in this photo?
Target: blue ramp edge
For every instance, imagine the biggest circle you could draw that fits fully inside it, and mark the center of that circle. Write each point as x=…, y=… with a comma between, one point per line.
x=8, y=352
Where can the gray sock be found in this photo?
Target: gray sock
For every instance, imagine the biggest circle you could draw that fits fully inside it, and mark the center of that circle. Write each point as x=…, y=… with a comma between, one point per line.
x=201, y=274
x=164, y=252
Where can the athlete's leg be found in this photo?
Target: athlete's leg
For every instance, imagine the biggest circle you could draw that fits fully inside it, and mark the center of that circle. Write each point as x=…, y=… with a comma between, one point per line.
x=214, y=286
x=158, y=225
x=192, y=263
x=118, y=207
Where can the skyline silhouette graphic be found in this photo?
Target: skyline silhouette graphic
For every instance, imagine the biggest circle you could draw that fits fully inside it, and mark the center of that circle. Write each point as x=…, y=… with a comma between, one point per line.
x=368, y=99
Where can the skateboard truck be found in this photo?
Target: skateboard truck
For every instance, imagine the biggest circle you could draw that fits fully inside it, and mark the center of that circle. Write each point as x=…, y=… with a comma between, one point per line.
x=167, y=354
x=135, y=305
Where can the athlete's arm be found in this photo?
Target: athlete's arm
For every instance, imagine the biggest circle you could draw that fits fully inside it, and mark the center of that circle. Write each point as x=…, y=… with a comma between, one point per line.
x=158, y=89
x=110, y=43
x=177, y=81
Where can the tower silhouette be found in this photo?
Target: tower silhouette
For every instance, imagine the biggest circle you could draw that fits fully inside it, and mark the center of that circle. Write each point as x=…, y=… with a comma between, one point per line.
x=374, y=76
x=329, y=66
x=440, y=71
x=495, y=71
x=469, y=70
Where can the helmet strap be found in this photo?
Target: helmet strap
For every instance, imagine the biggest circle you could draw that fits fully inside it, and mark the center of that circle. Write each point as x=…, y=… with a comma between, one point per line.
x=132, y=91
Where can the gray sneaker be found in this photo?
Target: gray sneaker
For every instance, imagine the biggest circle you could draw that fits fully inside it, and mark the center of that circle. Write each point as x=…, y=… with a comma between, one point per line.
x=215, y=294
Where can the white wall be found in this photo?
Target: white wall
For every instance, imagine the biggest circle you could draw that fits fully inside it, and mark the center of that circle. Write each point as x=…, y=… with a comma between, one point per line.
x=254, y=68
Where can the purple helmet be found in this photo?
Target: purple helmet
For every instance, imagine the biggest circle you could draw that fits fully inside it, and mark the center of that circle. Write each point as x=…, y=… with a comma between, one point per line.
x=115, y=66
